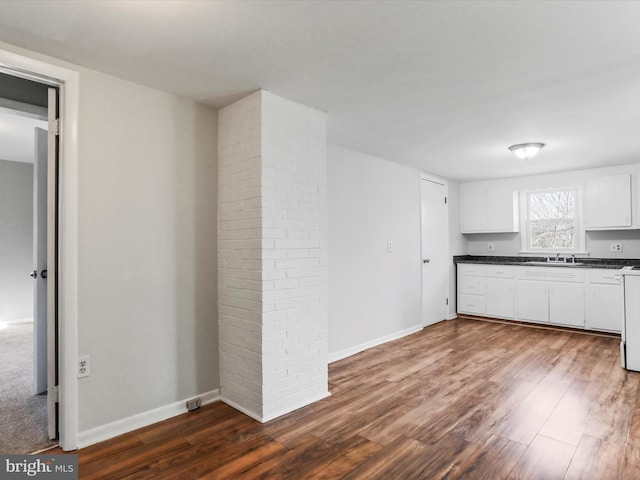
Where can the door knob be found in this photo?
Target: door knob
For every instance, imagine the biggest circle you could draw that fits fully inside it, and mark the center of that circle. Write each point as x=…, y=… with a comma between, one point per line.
x=426, y=260
x=34, y=274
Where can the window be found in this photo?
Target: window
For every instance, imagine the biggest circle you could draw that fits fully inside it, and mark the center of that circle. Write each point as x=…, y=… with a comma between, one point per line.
x=552, y=221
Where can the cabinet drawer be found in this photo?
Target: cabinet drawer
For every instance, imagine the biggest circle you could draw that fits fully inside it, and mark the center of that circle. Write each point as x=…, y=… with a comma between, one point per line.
x=471, y=269
x=473, y=285
x=603, y=276
x=500, y=271
x=473, y=304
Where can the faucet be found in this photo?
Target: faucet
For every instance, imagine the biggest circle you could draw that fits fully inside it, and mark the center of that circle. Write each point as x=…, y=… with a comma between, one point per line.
x=573, y=259
x=558, y=257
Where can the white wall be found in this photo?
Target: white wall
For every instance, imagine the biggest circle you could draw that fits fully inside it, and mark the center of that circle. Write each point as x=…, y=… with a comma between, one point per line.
x=373, y=294
x=147, y=301
x=597, y=242
x=16, y=240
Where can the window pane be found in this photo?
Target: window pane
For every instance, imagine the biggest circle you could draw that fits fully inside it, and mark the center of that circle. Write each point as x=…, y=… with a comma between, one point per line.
x=560, y=204
x=552, y=234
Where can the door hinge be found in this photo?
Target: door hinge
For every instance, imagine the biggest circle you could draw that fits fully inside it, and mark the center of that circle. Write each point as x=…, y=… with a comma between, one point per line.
x=445, y=200
x=447, y=301
x=53, y=391
x=54, y=126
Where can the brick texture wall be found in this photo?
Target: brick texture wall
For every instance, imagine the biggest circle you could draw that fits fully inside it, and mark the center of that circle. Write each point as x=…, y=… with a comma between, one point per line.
x=240, y=253
x=272, y=255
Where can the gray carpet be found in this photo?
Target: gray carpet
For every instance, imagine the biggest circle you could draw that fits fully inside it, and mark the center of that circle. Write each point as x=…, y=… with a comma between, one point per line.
x=23, y=416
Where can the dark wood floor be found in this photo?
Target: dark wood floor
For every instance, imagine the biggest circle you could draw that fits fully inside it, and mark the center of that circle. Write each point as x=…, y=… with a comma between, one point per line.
x=461, y=399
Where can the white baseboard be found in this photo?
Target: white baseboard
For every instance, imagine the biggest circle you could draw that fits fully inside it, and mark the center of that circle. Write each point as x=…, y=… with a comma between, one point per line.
x=246, y=411
x=125, y=425
x=19, y=320
x=277, y=413
x=452, y=316
x=347, y=352
x=295, y=406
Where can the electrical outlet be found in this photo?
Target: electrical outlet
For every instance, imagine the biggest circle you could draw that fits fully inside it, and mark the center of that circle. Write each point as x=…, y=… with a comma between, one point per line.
x=615, y=247
x=194, y=404
x=389, y=246
x=84, y=366
x=490, y=246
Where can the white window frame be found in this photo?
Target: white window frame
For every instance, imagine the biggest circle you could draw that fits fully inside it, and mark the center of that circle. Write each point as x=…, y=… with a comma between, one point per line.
x=580, y=235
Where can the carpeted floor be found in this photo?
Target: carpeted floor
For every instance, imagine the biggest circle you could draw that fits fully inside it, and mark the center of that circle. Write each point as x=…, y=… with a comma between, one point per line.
x=23, y=416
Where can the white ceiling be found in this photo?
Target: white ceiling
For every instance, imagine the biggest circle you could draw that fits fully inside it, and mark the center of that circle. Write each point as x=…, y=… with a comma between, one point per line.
x=17, y=139
x=442, y=86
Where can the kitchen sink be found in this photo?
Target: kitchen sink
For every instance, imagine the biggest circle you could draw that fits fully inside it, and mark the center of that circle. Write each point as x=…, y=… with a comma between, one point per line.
x=555, y=264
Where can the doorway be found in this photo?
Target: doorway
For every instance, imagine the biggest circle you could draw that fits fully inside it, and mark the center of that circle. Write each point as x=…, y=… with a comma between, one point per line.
x=29, y=375
x=435, y=250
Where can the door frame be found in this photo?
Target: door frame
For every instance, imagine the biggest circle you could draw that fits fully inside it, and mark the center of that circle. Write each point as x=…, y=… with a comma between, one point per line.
x=439, y=181
x=14, y=61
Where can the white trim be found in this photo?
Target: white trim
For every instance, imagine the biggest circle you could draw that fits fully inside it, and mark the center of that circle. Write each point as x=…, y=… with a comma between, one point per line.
x=140, y=420
x=68, y=82
x=240, y=408
x=433, y=178
x=295, y=406
x=580, y=235
x=347, y=352
x=18, y=320
x=277, y=413
x=452, y=316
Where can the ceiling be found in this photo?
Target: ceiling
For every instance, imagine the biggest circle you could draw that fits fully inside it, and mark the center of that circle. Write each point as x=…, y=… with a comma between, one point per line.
x=17, y=140
x=442, y=86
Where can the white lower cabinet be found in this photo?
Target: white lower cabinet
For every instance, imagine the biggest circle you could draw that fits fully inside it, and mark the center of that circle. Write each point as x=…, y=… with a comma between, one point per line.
x=499, y=297
x=575, y=297
x=566, y=304
x=604, y=301
x=532, y=298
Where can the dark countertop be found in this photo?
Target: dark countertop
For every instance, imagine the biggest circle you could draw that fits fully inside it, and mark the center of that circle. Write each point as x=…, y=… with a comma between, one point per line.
x=612, y=263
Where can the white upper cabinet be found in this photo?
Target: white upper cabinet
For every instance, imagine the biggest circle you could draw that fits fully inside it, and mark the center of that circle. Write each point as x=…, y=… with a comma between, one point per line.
x=607, y=202
x=487, y=209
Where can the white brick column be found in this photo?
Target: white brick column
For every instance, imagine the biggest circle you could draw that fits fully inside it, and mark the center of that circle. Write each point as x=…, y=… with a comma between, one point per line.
x=272, y=255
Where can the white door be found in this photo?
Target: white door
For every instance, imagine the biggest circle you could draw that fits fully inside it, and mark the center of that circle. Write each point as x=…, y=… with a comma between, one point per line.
x=435, y=252
x=40, y=262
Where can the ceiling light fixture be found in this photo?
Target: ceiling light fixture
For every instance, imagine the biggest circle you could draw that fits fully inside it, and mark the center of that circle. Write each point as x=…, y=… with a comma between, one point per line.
x=525, y=151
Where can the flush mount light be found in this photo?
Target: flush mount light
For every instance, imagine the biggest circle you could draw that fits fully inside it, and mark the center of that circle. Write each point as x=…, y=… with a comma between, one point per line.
x=525, y=151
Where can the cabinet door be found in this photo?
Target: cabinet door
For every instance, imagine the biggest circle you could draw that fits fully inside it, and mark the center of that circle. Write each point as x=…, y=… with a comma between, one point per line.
x=532, y=300
x=499, y=297
x=607, y=202
x=474, y=208
x=604, y=307
x=502, y=210
x=566, y=304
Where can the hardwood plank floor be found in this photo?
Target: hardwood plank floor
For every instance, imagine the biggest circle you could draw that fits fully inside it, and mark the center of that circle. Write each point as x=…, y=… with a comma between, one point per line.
x=463, y=399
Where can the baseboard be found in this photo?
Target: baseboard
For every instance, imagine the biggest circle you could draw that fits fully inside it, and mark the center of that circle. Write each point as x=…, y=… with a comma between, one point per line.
x=277, y=413
x=452, y=316
x=125, y=425
x=347, y=352
x=19, y=320
x=240, y=408
x=295, y=406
